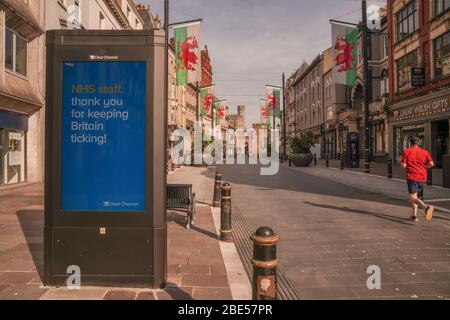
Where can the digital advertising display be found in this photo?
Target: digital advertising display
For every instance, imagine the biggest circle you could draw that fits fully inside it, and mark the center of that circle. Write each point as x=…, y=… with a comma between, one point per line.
x=103, y=137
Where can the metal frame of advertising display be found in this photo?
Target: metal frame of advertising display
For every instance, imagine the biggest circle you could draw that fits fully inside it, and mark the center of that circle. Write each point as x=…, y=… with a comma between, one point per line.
x=105, y=218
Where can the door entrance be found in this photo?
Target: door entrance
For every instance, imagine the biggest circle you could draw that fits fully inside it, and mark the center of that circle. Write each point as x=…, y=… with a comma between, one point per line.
x=442, y=141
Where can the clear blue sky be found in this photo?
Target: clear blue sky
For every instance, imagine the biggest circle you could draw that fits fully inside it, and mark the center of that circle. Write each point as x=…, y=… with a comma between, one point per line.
x=252, y=42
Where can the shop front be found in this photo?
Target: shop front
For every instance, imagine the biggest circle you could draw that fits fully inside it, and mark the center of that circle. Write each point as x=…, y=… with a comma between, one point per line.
x=13, y=128
x=428, y=119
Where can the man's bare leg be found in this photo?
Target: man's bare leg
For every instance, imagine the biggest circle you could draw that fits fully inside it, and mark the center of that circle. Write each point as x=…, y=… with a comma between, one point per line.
x=420, y=204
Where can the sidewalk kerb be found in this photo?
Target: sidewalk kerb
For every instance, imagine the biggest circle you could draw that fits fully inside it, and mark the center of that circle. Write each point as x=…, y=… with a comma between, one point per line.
x=237, y=278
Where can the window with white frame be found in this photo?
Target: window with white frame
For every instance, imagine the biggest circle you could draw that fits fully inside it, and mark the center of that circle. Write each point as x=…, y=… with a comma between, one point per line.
x=16, y=52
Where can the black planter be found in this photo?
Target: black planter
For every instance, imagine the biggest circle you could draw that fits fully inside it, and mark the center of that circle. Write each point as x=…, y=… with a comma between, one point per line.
x=302, y=159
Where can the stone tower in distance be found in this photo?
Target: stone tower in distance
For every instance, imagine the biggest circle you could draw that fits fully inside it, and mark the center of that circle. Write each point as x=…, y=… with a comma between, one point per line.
x=241, y=113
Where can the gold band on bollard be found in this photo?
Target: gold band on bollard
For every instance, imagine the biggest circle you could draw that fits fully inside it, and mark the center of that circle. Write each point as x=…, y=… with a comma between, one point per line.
x=265, y=241
x=265, y=264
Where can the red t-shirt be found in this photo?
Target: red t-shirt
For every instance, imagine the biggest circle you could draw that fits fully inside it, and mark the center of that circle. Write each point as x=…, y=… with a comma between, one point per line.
x=416, y=160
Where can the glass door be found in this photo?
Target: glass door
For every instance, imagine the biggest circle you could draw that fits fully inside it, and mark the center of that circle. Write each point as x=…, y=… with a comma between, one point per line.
x=442, y=141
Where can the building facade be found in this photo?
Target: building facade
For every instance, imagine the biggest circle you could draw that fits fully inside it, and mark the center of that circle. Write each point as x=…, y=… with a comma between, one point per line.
x=207, y=73
x=308, y=86
x=22, y=72
x=351, y=122
x=420, y=39
x=336, y=98
x=22, y=25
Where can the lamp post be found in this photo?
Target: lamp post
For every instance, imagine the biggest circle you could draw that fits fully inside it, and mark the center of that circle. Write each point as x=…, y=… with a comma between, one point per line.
x=365, y=36
x=284, y=118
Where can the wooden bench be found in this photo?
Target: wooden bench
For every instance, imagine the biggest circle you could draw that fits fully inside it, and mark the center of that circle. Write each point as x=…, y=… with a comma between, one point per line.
x=182, y=197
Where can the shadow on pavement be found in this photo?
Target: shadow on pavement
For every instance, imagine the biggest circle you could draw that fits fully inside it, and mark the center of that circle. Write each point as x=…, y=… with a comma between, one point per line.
x=181, y=221
x=32, y=224
x=369, y=213
x=300, y=182
x=176, y=293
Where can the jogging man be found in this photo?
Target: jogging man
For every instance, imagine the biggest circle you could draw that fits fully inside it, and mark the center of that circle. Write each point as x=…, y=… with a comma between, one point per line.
x=416, y=161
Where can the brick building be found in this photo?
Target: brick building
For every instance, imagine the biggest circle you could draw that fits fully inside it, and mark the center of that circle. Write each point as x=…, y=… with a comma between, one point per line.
x=207, y=74
x=420, y=39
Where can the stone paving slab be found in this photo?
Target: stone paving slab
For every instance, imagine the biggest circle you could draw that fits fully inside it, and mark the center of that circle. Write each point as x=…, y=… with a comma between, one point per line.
x=196, y=268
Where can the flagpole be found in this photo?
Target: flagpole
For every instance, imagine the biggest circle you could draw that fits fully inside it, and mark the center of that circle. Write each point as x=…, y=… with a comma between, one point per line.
x=284, y=118
x=197, y=103
x=166, y=120
x=212, y=118
x=366, y=88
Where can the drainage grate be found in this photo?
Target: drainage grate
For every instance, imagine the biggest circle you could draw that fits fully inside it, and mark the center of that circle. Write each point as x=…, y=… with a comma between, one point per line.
x=241, y=233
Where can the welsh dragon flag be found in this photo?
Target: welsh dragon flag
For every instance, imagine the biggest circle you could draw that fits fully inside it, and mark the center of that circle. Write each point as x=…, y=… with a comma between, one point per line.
x=206, y=100
x=187, y=53
x=265, y=113
x=345, y=53
x=274, y=100
x=220, y=107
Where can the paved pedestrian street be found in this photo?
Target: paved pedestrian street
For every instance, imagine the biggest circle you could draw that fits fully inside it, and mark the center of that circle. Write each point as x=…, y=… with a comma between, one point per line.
x=334, y=225
x=196, y=268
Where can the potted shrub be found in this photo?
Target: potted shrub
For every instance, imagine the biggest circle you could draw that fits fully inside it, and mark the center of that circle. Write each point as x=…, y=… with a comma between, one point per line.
x=301, y=155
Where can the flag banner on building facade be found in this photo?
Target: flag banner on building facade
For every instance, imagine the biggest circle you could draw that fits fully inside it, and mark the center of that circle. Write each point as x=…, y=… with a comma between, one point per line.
x=187, y=53
x=265, y=113
x=206, y=100
x=345, y=53
x=220, y=107
x=274, y=100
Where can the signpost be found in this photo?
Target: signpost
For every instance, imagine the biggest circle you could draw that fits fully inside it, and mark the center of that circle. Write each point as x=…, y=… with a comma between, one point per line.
x=105, y=160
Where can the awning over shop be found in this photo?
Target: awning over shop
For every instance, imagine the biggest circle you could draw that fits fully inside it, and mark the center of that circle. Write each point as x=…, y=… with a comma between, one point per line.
x=20, y=18
x=11, y=120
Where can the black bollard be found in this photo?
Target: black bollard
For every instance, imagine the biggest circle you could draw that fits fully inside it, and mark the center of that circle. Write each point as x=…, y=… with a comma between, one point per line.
x=226, y=233
x=327, y=159
x=217, y=189
x=342, y=162
x=366, y=161
x=315, y=159
x=290, y=161
x=389, y=165
x=430, y=177
x=265, y=264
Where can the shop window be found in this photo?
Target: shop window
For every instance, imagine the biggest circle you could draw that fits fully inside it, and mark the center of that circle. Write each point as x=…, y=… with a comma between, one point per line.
x=442, y=56
x=404, y=66
x=440, y=6
x=16, y=52
x=406, y=20
x=402, y=135
x=12, y=147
